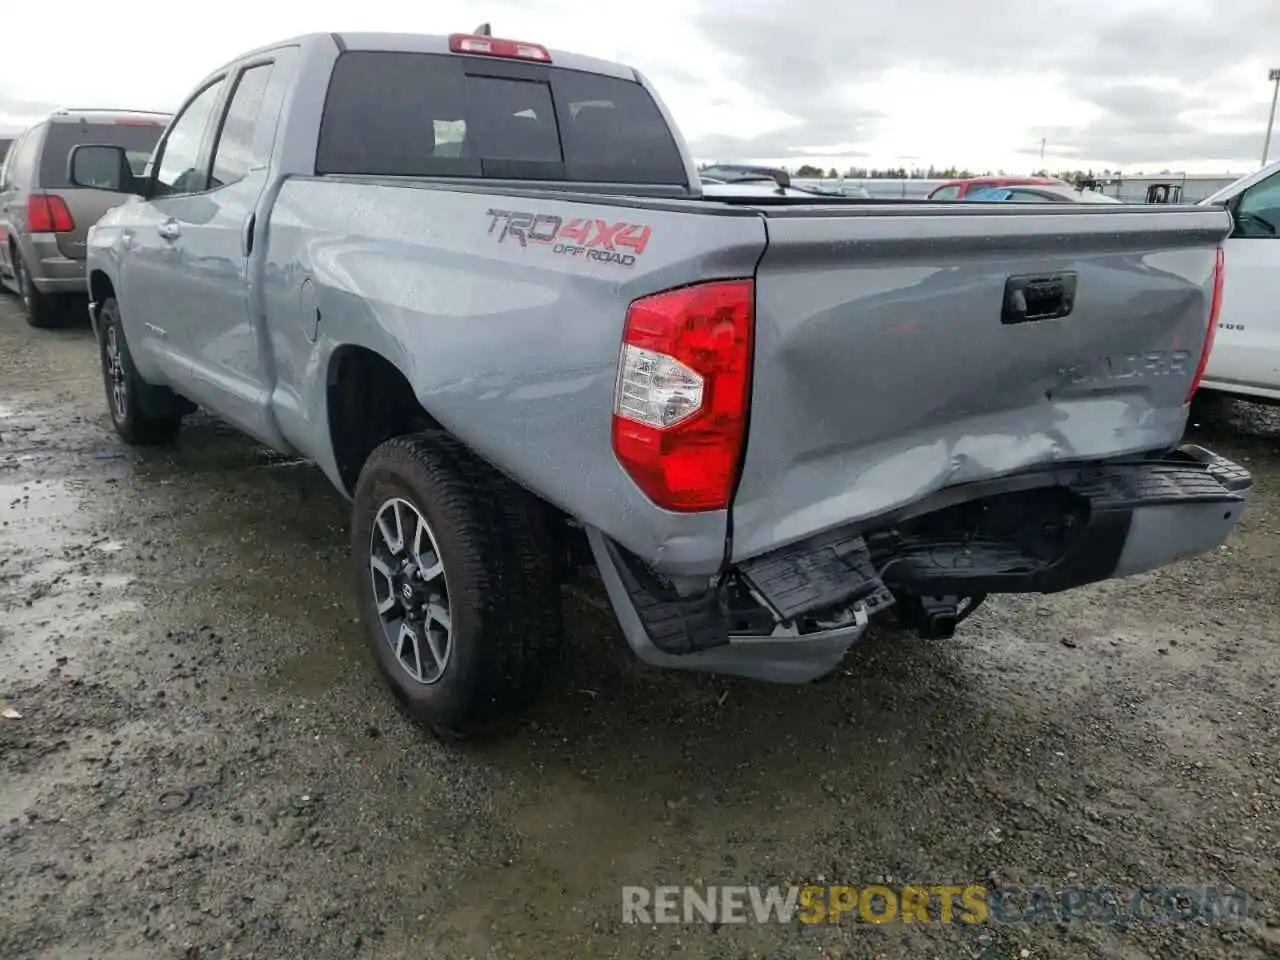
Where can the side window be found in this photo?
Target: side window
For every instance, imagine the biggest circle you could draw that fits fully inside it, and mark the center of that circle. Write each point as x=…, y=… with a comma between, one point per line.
x=945, y=193
x=1025, y=196
x=23, y=154
x=1258, y=213
x=178, y=172
x=236, y=153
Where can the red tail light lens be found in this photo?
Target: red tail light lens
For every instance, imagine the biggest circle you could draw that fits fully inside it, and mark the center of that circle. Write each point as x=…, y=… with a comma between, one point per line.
x=48, y=214
x=496, y=47
x=683, y=392
x=1215, y=307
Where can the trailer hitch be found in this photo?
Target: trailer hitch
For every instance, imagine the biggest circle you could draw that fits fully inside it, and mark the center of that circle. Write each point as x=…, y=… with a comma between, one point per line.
x=930, y=618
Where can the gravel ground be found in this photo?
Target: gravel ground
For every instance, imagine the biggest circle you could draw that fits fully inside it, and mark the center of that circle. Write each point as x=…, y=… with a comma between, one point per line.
x=206, y=766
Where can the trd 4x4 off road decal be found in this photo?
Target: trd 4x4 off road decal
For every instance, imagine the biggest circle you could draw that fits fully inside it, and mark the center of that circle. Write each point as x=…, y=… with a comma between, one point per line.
x=598, y=240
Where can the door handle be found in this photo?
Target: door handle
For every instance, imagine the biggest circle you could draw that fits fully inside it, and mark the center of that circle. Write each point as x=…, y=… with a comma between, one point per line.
x=1027, y=299
x=170, y=230
x=126, y=239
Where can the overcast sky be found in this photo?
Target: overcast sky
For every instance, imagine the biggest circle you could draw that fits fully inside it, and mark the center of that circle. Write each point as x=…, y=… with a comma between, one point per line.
x=1137, y=84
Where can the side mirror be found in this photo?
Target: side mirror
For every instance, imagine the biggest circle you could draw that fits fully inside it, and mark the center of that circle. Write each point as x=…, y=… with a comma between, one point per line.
x=102, y=167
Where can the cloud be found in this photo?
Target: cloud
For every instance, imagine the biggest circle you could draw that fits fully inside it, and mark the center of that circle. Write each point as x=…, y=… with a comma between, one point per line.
x=977, y=83
x=17, y=113
x=1160, y=81
x=1149, y=125
x=837, y=135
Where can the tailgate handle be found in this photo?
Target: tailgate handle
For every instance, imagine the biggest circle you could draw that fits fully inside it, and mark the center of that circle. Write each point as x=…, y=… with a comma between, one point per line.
x=1038, y=297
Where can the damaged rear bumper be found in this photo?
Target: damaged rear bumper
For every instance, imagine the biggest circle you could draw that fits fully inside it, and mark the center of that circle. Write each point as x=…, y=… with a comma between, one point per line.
x=790, y=615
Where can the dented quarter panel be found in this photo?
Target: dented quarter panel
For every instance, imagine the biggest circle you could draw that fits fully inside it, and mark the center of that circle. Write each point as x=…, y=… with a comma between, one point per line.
x=883, y=371
x=508, y=333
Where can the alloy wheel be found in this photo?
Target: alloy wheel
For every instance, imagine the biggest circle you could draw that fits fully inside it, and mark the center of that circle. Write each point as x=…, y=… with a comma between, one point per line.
x=119, y=383
x=410, y=590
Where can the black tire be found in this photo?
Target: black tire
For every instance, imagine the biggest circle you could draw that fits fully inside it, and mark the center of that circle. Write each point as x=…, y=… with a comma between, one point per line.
x=142, y=414
x=41, y=309
x=503, y=600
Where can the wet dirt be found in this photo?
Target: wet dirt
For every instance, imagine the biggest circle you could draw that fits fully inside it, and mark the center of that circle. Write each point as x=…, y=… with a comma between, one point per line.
x=205, y=764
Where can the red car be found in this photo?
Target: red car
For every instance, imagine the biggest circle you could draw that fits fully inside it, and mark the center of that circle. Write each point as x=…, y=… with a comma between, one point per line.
x=958, y=189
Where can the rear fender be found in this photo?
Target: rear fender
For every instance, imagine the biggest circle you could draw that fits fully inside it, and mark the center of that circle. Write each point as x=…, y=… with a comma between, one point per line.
x=510, y=343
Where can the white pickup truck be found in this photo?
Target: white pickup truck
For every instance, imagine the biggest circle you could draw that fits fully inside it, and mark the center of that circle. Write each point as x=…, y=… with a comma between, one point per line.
x=1245, y=360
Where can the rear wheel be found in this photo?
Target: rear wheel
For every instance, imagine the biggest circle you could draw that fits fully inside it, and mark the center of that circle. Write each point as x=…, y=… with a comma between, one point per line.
x=460, y=602
x=142, y=414
x=41, y=308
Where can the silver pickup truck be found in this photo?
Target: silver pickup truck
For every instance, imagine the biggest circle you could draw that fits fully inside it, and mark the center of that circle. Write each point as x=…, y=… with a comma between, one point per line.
x=480, y=284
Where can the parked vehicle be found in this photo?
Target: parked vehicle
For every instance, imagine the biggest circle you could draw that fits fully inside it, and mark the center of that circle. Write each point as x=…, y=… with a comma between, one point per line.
x=1245, y=361
x=960, y=189
x=1045, y=194
x=764, y=187
x=44, y=217
x=755, y=419
x=829, y=188
x=855, y=190
x=729, y=172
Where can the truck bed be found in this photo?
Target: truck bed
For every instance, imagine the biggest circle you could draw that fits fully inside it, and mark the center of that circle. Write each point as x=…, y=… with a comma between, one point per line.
x=883, y=370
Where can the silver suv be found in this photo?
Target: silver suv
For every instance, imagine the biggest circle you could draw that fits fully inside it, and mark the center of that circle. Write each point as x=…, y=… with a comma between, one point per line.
x=43, y=218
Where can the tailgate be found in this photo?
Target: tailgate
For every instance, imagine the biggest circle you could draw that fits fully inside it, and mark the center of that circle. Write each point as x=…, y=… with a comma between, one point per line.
x=902, y=350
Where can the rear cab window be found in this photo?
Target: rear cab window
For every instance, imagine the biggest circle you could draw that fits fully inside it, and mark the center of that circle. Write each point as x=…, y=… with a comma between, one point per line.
x=425, y=114
x=137, y=137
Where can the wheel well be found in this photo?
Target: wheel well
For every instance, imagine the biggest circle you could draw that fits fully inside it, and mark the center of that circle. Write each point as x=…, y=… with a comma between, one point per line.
x=369, y=401
x=100, y=287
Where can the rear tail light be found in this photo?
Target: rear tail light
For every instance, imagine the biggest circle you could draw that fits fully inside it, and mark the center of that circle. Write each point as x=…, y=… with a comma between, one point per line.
x=495, y=47
x=47, y=213
x=1215, y=307
x=683, y=393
